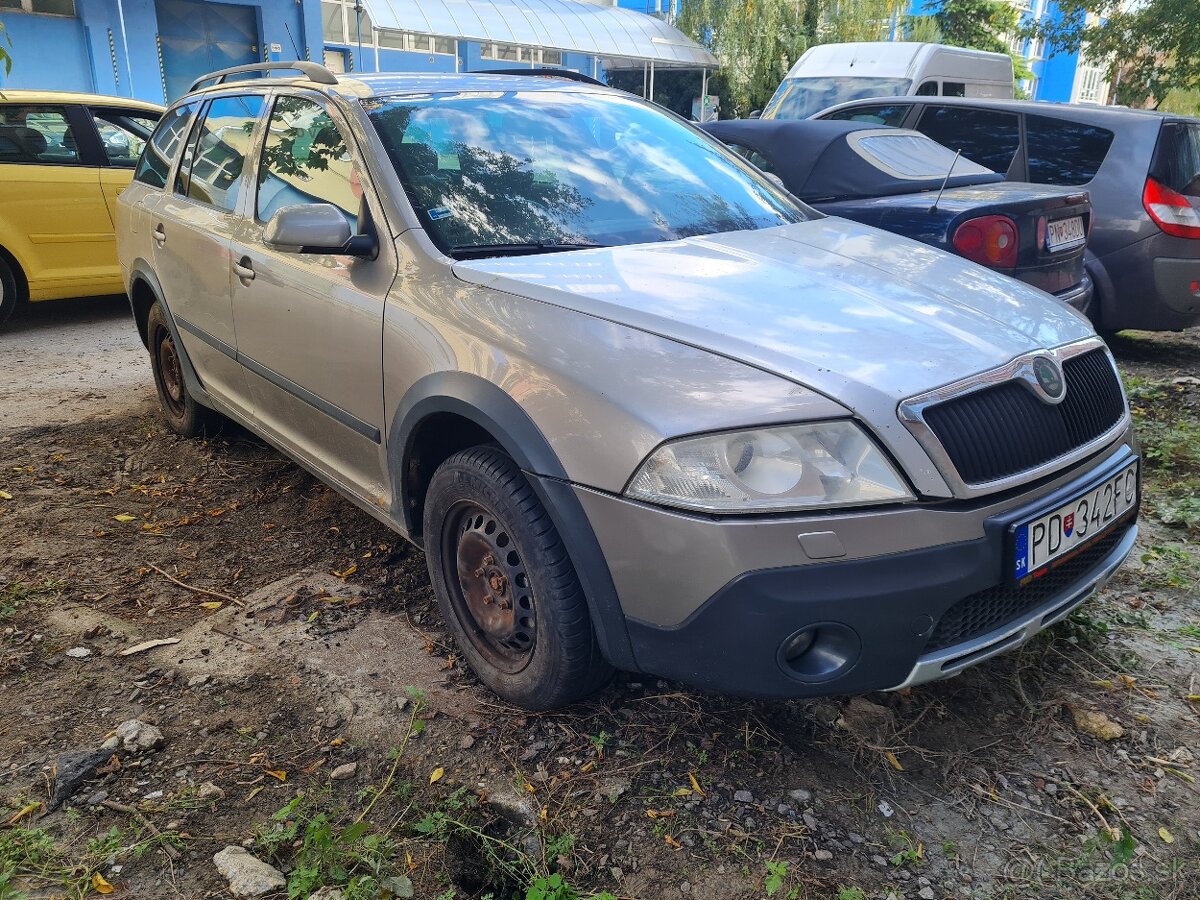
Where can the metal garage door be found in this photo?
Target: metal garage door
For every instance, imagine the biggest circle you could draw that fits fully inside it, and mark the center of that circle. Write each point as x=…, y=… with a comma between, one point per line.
x=198, y=38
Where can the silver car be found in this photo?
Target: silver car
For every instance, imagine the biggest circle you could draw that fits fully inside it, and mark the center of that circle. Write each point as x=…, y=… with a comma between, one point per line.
x=641, y=408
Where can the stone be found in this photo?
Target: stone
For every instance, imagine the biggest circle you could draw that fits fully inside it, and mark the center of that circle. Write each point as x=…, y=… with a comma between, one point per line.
x=111, y=743
x=79, y=653
x=1097, y=724
x=823, y=855
x=466, y=742
x=800, y=795
x=328, y=893
x=199, y=681
x=926, y=893
x=867, y=721
x=137, y=737
x=344, y=772
x=743, y=797
x=209, y=791
x=247, y=875
x=71, y=770
x=97, y=798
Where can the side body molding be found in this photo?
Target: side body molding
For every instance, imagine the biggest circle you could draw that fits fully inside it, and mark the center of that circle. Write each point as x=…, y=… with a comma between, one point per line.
x=488, y=406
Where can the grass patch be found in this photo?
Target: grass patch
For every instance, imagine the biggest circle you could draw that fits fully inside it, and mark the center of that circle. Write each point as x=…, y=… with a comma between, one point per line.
x=16, y=594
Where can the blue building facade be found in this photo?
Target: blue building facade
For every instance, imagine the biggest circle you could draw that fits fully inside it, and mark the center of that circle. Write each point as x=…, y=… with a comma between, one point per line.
x=154, y=49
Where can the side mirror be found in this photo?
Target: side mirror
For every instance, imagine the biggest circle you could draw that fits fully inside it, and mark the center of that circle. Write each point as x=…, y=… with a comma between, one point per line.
x=755, y=114
x=315, y=228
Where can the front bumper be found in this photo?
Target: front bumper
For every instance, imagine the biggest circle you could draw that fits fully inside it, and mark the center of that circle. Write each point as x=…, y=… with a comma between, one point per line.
x=901, y=616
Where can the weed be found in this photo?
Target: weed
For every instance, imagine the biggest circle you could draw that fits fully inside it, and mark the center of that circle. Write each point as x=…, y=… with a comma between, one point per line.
x=1171, y=566
x=851, y=893
x=600, y=741
x=777, y=873
x=553, y=887
x=16, y=594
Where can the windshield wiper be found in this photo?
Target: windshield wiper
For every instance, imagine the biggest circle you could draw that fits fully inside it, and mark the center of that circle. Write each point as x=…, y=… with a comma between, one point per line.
x=475, y=251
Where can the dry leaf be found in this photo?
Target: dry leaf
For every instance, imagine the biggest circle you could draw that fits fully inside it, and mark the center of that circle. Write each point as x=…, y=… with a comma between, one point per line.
x=100, y=885
x=893, y=761
x=671, y=842
x=587, y=766
x=124, y=517
x=1167, y=837
x=254, y=793
x=660, y=813
x=148, y=645
x=682, y=792
x=348, y=571
x=337, y=742
x=695, y=784
x=5, y=495
x=22, y=813
x=409, y=861
x=277, y=774
x=544, y=815
x=214, y=605
x=437, y=774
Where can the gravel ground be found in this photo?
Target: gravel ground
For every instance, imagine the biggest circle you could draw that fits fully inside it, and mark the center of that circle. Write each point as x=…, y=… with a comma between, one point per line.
x=308, y=687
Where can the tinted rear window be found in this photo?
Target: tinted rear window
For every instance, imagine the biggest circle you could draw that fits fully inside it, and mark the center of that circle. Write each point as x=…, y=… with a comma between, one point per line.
x=984, y=136
x=1064, y=152
x=1177, y=160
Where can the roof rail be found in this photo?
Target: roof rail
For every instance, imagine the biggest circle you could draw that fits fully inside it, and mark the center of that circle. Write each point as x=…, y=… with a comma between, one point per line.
x=313, y=71
x=569, y=74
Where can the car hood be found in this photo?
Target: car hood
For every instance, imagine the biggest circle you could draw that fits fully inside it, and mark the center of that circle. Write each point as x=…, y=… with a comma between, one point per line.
x=859, y=314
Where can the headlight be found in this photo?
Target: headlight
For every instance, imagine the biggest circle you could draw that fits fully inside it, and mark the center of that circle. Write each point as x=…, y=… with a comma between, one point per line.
x=793, y=467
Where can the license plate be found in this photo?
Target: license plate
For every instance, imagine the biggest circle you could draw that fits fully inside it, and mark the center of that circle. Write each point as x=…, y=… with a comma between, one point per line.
x=1065, y=233
x=1049, y=537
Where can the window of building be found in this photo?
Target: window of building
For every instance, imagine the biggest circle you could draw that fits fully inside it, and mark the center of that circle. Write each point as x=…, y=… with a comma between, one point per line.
x=36, y=134
x=211, y=171
x=1092, y=84
x=1062, y=152
x=333, y=24
x=552, y=58
x=42, y=7
x=155, y=163
x=984, y=136
x=416, y=43
x=305, y=159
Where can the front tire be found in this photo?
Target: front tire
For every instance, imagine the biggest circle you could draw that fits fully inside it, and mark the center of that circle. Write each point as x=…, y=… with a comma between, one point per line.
x=184, y=415
x=505, y=585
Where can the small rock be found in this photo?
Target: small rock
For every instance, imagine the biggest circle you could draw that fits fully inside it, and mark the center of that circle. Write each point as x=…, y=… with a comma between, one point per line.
x=800, y=795
x=1097, y=724
x=867, y=721
x=344, y=772
x=328, y=893
x=823, y=855
x=136, y=736
x=743, y=797
x=71, y=770
x=199, y=681
x=153, y=795
x=1051, y=788
x=79, y=653
x=97, y=798
x=111, y=743
x=810, y=821
x=247, y=875
x=926, y=893
x=466, y=742
x=209, y=791
x=885, y=808
x=685, y=888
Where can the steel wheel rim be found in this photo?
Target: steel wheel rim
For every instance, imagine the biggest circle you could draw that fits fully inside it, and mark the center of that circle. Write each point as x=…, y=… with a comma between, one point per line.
x=171, y=371
x=489, y=587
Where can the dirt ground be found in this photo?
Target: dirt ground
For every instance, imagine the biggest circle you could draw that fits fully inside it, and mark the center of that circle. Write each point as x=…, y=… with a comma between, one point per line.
x=311, y=710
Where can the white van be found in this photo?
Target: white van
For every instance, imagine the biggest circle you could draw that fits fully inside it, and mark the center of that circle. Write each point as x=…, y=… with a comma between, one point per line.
x=829, y=74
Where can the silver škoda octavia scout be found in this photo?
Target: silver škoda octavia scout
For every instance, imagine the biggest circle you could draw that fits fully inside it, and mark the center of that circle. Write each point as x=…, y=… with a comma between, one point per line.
x=640, y=407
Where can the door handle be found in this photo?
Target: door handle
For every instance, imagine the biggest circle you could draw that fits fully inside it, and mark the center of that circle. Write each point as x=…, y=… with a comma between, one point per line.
x=244, y=269
x=160, y=234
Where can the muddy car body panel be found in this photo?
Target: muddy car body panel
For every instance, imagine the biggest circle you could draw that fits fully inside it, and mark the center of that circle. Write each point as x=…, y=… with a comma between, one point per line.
x=382, y=363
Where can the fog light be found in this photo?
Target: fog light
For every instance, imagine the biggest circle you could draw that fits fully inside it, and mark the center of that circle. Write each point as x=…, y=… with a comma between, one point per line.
x=819, y=652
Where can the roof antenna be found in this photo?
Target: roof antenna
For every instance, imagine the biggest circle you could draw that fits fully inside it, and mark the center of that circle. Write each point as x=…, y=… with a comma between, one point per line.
x=945, y=181
x=292, y=39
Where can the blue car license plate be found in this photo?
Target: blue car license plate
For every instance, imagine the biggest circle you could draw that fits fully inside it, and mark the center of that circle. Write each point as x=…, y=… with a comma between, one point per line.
x=1052, y=535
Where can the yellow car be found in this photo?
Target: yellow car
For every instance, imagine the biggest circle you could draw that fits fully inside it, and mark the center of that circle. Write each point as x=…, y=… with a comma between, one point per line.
x=63, y=160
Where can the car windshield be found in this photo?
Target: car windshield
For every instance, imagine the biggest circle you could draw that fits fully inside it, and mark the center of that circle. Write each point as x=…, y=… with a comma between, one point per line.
x=799, y=98
x=543, y=170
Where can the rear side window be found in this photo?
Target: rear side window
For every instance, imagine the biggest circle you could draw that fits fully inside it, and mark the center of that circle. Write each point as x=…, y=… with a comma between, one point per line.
x=928, y=89
x=1064, y=152
x=1177, y=159
x=160, y=151
x=890, y=114
x=984, y=136
x=123, y=134
x=211, y=171
x=36, y=134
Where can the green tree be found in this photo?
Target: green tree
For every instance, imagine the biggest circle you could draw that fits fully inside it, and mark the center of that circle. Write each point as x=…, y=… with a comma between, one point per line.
x=1150, y=48
x=5, y=47
x=979, y=24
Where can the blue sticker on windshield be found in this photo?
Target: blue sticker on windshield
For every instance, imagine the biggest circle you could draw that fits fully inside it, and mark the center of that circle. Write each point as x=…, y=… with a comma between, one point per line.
x=438, y=212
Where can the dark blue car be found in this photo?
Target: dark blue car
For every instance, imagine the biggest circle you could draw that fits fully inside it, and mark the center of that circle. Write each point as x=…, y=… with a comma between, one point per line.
x=893, y=179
